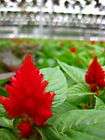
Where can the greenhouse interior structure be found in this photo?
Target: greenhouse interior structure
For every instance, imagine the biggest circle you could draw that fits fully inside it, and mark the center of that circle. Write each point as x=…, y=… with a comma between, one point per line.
x=52, y=69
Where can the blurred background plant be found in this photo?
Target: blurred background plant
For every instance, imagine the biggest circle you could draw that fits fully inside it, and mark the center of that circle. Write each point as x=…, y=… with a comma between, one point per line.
x=46, y=52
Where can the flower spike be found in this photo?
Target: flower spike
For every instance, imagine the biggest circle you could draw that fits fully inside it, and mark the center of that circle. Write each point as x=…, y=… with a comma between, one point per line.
x=95, y=75
x=27, y=95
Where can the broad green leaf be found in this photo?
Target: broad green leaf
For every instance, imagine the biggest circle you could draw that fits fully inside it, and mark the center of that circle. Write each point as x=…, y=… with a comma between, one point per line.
x=57, y=84
x=50, y=133
x=99, y=104
x=81, y=100
x=82, y=124
x=78, y=88
x=3, y=81
x=5, y=122
x=2, y=111
x=76, y=74
x=70, y=104
x=61, y=109
x=6, y=134
x=102, y=95
x=79, y=96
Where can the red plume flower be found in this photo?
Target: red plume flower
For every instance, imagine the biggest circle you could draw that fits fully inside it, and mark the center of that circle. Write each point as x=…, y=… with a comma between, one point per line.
x=27, y=95
x=73, y=50
x=93, y=42
x=25, y=128
x=95, y=76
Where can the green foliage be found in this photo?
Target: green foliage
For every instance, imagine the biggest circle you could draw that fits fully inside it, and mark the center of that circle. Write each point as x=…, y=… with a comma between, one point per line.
x=77, y=113
x=6, y=134
x=57, y=84
x=99, y=104
x=76, y=74
x=46, y=51
x=80, y=125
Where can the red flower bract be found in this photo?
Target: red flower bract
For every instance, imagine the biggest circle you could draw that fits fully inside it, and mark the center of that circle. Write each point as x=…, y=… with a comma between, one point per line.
x=95, y=76
x=27, y=96
x=25, y=128
x=93, y=42
x=73, y=50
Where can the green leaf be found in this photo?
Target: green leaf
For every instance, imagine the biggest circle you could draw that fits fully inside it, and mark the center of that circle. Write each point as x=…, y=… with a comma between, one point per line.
x=78, y=88
x=2, y=82
x=82, y=125
x=99, y=104
x=3, y=92
x=61, y=109
x=5, y=122
x=2, y=111
x=57, y=84
x=50, y=133
x=5, y=134
x=79, y=96
x=81, y=100
x=76, y=74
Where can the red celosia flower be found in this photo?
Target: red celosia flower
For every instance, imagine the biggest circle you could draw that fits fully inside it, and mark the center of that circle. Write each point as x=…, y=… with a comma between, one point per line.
x=73, y=50
x=95, y=76
x=25, y=128
x=93, y=42
x=27, y=96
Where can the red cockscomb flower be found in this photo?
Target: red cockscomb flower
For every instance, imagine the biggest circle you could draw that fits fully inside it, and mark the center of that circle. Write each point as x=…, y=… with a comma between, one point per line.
x=95, y=76
x=28, y=97
x=73, y=50
x=93, y=42
x=25, y=128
